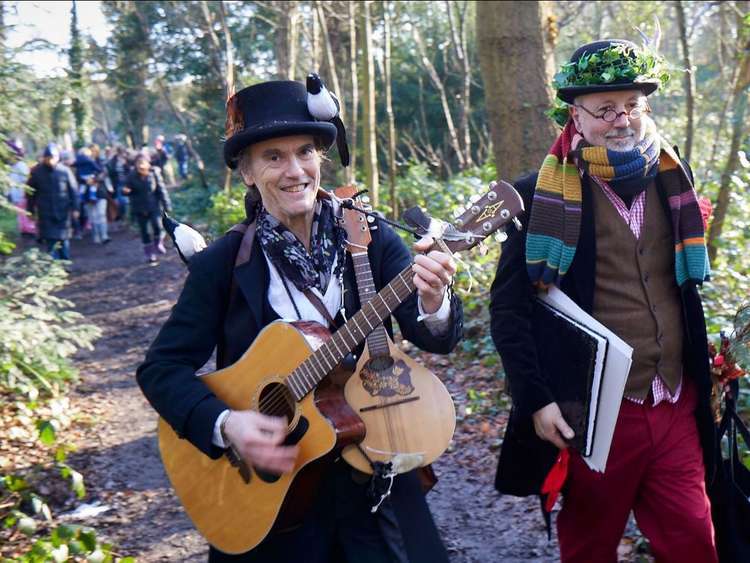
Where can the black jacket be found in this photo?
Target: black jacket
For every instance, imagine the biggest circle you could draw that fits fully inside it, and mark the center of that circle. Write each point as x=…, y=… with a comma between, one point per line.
x=147, y=195
x=524, y=458
x=203, y=319
x=54, y=196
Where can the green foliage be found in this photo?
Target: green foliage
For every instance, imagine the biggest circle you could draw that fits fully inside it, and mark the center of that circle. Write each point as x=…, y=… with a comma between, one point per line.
x=617, y=63
x=191, y=202
x=7, y=228
x=38, y=331
x=729, y=287
x=446, y=199
x=226, y=209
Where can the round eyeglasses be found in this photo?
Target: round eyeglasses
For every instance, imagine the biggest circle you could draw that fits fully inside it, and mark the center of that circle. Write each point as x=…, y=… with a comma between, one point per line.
x=610, y=115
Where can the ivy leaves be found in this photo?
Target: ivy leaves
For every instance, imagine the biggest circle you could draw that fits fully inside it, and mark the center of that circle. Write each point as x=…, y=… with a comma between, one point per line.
x=615, y=64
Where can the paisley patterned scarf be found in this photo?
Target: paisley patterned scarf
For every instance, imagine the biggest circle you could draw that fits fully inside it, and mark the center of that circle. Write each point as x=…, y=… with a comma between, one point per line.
x=289, y=256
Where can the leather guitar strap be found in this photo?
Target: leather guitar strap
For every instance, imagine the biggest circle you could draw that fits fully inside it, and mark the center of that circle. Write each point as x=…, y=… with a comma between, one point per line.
x=243, y=255
x=244, y=252
x=320, y=306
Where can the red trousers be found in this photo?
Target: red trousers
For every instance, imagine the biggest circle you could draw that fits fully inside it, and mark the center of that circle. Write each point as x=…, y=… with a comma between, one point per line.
x=655, y=468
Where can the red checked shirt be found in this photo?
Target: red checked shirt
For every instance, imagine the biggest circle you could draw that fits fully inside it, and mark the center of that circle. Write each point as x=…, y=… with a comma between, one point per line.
x=634, y=218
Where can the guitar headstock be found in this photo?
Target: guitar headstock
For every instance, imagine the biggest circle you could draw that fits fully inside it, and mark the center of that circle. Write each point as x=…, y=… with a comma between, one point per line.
x=494, y=210
x=357, y=226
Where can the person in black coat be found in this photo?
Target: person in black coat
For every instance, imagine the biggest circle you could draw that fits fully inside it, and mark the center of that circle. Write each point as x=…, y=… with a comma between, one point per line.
x=54, y=200
x=297, y=249
x=148, y=198
x=623, y=262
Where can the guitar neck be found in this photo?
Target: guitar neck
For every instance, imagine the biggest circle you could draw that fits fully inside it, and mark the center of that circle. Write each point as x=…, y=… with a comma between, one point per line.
x=321, y=362
x=377, y=341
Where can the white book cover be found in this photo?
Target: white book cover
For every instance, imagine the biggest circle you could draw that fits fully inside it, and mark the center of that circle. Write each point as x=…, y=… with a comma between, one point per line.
x=616, y=368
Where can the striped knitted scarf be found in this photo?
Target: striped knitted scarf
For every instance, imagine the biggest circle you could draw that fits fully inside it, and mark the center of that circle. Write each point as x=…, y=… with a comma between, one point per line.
x=555, y=222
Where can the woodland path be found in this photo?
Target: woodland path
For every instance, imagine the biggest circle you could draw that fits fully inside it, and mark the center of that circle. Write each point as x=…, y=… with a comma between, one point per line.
x=129, y=299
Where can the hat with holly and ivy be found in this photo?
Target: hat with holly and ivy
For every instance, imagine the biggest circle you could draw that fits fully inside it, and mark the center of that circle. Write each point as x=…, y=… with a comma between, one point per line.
x=609, y=65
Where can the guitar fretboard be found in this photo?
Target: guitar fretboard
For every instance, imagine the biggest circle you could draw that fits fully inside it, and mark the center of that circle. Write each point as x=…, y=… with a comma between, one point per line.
x=321, y=362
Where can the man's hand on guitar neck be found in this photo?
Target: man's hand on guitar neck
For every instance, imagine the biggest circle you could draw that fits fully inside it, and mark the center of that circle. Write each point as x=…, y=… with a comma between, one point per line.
x=258, y=438
x=433, y=272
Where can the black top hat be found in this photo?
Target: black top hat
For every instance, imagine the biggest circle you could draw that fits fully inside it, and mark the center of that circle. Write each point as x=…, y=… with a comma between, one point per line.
x=619, y=82
x=268, y=110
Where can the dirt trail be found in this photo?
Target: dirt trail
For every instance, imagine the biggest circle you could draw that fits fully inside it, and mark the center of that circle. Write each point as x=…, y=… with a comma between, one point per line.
x=129, y=299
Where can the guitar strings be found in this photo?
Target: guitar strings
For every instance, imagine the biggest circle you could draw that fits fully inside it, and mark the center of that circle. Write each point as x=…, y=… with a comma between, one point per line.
x=278, y=398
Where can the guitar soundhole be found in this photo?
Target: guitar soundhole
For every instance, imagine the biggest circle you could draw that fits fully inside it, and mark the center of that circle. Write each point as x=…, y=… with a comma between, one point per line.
x=276, y=400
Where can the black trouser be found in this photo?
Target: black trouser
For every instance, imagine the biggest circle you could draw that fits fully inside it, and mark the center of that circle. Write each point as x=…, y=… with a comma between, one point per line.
x=340, y=528
x=144, y=220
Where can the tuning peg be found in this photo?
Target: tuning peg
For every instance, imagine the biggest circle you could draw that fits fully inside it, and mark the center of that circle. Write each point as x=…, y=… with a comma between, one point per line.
x=501, y=236
x=517, y=223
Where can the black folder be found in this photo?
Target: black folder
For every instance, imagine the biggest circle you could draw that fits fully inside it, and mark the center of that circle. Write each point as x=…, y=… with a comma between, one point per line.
x=571, y=358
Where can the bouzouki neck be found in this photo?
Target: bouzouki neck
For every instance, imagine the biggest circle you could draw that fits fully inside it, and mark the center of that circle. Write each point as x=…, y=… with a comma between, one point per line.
x=377, y=341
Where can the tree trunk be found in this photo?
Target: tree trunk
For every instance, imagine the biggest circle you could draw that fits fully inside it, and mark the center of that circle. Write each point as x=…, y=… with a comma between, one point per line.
x=332, y=75
x=287, y=32
x=316, y=58
x=352, y=6
x=368, y=103
x=458, y=35
x=739, y=106
x=515, y=40
x=688, y=79
x=228, y=78
x=438, y=83
x=389, y=108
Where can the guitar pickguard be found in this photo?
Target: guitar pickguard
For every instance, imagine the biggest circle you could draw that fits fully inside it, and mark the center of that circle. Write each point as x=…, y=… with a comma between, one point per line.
x=387, y=382
x=291, y=439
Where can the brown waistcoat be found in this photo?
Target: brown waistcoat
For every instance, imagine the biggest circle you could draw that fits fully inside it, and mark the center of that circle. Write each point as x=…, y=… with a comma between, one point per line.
x=635, y=294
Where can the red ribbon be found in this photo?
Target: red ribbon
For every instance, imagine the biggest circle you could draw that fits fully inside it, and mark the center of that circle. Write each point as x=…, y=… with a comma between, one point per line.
x=555, y=479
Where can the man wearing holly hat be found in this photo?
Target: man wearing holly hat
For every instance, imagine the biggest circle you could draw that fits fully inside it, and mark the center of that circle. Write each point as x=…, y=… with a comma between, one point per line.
x=613, y=221
x=295, y=268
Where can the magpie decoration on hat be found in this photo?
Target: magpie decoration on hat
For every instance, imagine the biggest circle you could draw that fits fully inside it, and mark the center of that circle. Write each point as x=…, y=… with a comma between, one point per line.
x=627, y=75
x=268, y=110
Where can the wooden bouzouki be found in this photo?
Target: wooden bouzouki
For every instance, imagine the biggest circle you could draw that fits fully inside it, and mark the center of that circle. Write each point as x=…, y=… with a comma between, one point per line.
x=284, y=373
x=408, y=413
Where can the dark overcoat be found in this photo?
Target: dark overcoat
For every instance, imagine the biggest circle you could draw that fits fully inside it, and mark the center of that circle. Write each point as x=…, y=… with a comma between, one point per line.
x=147, y=195
x=54, y=197
x=204, y=319
x=524, y=458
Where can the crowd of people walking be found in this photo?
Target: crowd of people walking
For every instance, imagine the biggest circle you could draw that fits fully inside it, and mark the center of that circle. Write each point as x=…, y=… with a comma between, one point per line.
x=71, y=194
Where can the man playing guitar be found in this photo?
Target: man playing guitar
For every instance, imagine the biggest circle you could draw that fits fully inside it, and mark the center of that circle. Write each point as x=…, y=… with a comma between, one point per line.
x=297, y=270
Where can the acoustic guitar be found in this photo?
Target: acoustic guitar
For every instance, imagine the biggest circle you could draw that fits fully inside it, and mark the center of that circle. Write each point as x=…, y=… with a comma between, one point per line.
x=408, y=413
x=285, y=372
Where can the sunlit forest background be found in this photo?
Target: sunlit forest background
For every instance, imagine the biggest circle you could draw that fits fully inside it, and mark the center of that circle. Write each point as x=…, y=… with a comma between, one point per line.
x=439, y=98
